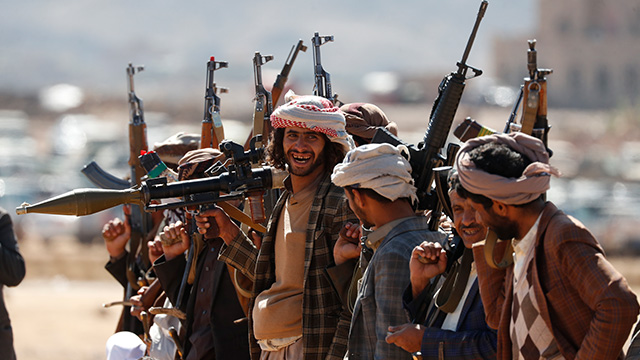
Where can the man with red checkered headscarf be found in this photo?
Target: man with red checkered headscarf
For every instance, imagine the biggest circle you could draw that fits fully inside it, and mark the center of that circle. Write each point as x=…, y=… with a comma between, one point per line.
x=294, y=312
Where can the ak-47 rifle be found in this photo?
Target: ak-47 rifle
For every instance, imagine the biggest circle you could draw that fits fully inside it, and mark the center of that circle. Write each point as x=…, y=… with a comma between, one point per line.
x=212, y=130
x=141, y=222
x=281, y=79
x=426, y=157
x=264, y=106
x=533, y=119
x=274, y=95
x=534, y=108
x=322, y=84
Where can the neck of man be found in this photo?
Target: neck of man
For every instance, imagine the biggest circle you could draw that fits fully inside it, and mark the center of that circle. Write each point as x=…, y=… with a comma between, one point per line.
x=299, y=183
x=527, y=216
x=384, y=213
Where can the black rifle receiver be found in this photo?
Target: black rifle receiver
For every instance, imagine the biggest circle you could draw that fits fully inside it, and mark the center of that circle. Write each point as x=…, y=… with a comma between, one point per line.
x=426, y=156
x=322, y=84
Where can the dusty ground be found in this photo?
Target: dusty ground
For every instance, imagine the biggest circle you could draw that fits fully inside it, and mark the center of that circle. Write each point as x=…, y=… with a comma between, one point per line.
x=57, y=314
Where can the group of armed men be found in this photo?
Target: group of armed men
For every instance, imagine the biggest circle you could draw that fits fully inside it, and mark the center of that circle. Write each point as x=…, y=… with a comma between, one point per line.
x=347, y=268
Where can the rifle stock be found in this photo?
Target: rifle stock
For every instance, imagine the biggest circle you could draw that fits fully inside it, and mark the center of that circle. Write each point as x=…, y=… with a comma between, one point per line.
x=103, y=179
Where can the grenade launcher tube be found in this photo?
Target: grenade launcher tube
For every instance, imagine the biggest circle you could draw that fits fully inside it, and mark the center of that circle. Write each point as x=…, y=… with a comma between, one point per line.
x=80, y=202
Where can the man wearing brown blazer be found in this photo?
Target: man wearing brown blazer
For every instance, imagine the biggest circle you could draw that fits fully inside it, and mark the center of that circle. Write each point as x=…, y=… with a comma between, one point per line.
x=561, y=298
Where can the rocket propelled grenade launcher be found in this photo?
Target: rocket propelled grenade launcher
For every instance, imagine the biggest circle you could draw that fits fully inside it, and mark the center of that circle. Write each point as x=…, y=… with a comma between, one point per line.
x=239, y=180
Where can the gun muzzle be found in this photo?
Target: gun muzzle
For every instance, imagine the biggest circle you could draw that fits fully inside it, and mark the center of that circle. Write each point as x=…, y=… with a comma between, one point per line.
x=81, y=202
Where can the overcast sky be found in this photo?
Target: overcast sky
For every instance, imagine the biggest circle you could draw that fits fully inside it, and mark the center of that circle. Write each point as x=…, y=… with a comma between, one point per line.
x=89, y=43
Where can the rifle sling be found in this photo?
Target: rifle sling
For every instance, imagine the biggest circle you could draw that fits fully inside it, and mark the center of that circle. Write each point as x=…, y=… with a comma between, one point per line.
x=235, y=213
x=490, y=244
x=453, y=287
x=531, y=104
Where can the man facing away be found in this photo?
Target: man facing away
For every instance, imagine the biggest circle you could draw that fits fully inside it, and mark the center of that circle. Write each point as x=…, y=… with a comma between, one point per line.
x=560, y=298
x=377, y=182
x=452, y=323
x=294, y=313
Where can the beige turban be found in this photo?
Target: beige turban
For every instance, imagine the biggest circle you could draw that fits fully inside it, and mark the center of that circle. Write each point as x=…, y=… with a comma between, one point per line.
x=380, y=167
x=314, y=113
x=535, y=178
x=364, y=119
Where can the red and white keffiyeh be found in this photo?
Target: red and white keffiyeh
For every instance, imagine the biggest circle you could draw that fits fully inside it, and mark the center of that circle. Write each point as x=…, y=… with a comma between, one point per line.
x=314, y=113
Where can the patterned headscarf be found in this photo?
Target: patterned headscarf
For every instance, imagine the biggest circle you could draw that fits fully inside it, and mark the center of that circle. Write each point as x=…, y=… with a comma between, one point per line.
x=314, y=113
x=380, y=167
x=194, y=163
x=535, y=178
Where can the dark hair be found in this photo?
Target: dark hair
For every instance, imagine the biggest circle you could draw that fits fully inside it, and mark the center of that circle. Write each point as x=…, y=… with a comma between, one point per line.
x=494, y=158
x=333, y=152
x=373, y=194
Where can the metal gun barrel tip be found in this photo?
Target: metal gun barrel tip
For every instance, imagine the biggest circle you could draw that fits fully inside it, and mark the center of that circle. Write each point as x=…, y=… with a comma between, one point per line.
x=22, y=209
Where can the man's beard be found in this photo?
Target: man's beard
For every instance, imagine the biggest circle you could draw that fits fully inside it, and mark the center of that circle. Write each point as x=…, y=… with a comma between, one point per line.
x=504, y=228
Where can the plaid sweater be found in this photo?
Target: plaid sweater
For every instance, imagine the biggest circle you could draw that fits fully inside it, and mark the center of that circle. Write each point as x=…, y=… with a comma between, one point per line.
x=325, y=324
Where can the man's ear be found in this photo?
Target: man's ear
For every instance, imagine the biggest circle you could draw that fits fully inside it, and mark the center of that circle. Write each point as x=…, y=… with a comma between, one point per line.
x=500, y=208
x=359, y=197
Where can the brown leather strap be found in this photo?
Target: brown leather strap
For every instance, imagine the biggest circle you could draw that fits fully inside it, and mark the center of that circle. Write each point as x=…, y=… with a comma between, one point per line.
x=490, y=244
x=453, y=287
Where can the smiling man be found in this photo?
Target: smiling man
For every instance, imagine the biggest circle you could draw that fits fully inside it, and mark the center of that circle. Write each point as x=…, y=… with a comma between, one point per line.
x=560, y=298
x=455, y=327
x=294, y=312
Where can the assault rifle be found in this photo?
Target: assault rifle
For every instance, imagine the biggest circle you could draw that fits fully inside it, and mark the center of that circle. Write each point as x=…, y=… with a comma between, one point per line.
x=264, y=106
x=322, y=84
x=237, y=182
x=276, y=90
x=533, y=119
x=281, y=79
x=212, y=130
x=426, y=157
x=140, y=221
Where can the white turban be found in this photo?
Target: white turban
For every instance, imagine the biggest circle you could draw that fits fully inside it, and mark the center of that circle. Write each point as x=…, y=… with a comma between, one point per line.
x=314, y=113
x=380, y=167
